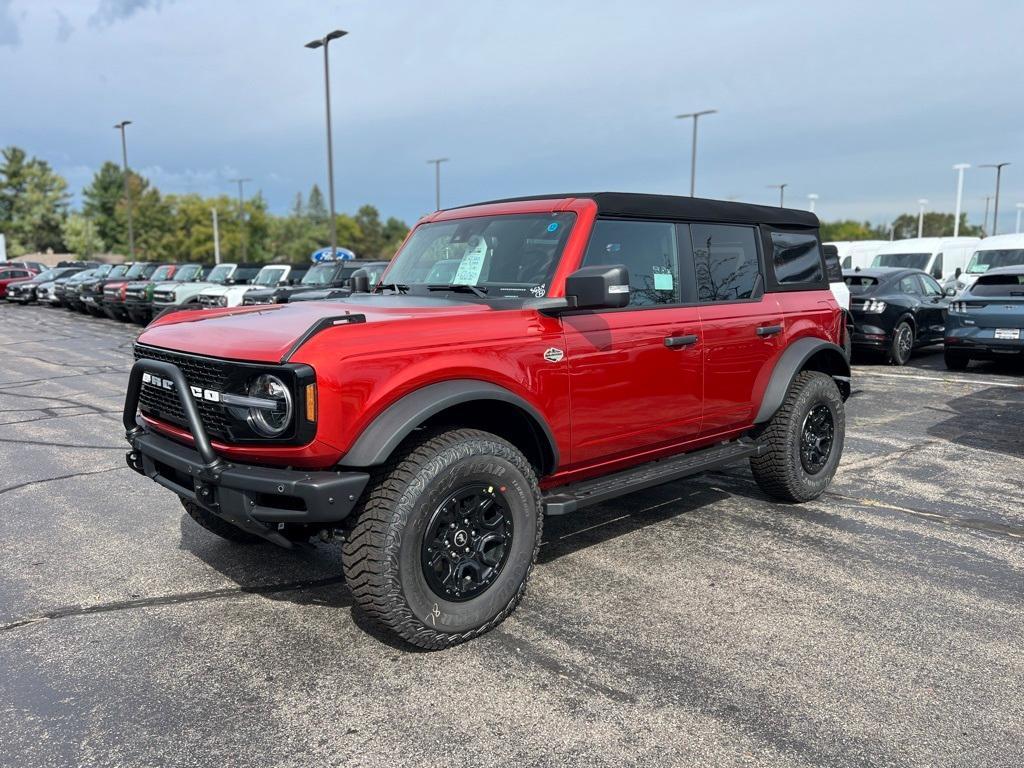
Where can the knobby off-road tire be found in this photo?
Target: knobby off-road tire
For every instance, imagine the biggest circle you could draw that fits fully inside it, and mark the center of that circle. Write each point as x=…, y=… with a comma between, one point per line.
x=956, y=360
x=384, y=555
x=782, y=470
x=902, y=344
x=216, y=525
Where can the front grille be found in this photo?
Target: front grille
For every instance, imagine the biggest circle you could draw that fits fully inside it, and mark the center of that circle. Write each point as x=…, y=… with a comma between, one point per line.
x=163, y=296
x=202, y=372
x=208, y=301
x=136, y=294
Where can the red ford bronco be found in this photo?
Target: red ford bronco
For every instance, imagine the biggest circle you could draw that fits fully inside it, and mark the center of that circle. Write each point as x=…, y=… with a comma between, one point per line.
x=518, y=358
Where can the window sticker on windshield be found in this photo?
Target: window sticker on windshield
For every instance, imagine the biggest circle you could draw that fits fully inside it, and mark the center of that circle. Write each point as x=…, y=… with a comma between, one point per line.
x=662, y=279
x=472, y=263
x=553, y=226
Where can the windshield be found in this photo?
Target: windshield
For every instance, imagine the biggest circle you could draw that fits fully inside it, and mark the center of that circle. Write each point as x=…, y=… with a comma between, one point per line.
x=186, y=273
x=905, y=260
x=321, y=274
x=860, y=283
x=269, y=276
x=512, y=255
x=82, y=276
x=163, y=273
x=220, y=273
x=135, y=271
x=102, y=270
x=983, y=261
x=46, y=276
x=117, y=271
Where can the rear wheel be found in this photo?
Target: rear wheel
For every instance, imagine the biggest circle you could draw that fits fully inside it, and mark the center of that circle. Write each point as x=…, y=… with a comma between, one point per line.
x=902, y=344
x=803, y=442
x=956, y=360
x=446, y=538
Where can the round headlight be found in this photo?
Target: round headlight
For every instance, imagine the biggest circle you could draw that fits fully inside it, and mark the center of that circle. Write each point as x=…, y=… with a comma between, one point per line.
x=265, y=420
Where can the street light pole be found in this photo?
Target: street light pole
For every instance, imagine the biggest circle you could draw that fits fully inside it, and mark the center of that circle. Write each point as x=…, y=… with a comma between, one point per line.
x=959, y=168
x=782, y=192
x=813, y=198
x=984, y=226
x=920, y=216
x=995, y=209
x=437, y=180
x=127, y=191
x=324, y=43
x=241, y=215
x=693, y=147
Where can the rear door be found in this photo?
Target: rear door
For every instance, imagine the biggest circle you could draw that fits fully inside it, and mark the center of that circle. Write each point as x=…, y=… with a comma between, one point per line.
x=742, y=326
x=635, y=372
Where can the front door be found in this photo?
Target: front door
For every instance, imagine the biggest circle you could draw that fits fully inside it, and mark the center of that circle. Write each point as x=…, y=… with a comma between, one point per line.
x=931, y=315
x=636, y=373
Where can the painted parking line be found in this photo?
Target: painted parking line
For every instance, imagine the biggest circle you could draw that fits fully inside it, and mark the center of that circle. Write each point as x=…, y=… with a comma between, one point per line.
x=944, y=379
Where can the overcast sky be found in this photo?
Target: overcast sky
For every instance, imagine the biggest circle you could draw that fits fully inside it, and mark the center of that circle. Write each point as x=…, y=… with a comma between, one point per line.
x=866, y=104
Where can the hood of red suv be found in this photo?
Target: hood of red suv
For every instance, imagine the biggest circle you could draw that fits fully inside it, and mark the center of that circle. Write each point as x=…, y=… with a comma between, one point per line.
x=265, y=333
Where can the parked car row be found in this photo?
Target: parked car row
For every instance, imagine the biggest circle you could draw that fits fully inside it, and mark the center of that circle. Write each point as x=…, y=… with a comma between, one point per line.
x=140, y=291
x=895, y=310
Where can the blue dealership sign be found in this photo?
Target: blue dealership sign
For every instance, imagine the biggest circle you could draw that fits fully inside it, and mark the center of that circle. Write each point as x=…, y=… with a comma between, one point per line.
x=324, y=254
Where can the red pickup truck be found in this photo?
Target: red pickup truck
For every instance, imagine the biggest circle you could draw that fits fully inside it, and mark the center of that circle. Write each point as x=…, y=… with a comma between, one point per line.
x=518, y=358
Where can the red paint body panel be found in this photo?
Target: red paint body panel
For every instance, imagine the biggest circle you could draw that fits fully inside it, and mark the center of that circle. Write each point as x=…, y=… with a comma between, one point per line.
x=618, y=397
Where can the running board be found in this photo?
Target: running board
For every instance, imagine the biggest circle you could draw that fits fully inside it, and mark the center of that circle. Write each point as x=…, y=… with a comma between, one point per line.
x=569, y=498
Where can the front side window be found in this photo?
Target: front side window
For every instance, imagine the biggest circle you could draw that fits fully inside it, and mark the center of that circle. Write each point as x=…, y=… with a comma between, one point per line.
x=726, y=261
x=931, y=288
x=937, y=266
x=504, y=256
x=796, y=258
x=647, y=249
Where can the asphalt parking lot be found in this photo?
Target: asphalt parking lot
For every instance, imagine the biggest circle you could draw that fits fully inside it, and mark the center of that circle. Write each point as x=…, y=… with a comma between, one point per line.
x=696, y=624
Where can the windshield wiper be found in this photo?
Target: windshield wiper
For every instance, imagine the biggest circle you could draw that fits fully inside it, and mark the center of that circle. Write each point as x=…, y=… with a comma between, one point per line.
x=480, y=291
x=396, y=287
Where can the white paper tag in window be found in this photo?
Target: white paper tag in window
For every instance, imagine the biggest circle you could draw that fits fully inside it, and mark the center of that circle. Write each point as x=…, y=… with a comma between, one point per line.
x=662, y=279
x=472, y=263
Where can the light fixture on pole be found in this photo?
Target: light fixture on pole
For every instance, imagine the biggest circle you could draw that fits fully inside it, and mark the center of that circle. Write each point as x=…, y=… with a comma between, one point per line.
x=920, y=216
x=437, y=180
x=995, y=209
x=782, y=192
x=693, y=148
x=812, y=199
x=324, y=43
x=959, y=168
x=127, y=192
x=241, y=214
x=1020, y=207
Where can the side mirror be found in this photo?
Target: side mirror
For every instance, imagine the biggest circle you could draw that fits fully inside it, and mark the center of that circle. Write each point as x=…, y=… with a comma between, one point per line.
x=360, y=283
x=958, y=272
x=951, y=291
x=598, y=287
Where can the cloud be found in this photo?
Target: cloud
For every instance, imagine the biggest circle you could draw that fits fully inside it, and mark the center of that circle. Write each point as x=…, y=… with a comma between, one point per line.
x=64, y=28
x=9, y=34
x=112, y=11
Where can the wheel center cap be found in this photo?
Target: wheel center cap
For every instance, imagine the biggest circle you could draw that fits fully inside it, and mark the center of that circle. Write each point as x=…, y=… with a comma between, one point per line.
x=460, y=538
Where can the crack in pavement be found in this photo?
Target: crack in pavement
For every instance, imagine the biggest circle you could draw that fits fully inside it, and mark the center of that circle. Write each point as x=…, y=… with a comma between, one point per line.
x=175, y=599
x=100, y=369
x=60, y=477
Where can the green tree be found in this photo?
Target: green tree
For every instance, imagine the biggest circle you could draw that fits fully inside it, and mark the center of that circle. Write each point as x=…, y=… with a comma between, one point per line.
x=847, y=229
x=935, y=225
x=100, y=201
x=82, y=236
x=33, y=203
x=315, y=208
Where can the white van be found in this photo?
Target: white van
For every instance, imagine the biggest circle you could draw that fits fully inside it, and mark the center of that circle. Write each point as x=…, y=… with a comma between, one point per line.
x=857, y=253
x=995, y=251
x=940, y=257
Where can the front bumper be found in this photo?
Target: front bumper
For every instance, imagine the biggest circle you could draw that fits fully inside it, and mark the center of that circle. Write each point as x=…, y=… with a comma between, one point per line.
x=255, y=498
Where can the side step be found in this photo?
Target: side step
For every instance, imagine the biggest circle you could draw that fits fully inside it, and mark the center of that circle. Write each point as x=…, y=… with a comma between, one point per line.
x=569, y=498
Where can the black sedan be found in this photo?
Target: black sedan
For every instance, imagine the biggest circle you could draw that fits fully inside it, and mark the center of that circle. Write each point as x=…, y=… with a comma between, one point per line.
x=895, y=310
x=25, y=291
x=986, y=321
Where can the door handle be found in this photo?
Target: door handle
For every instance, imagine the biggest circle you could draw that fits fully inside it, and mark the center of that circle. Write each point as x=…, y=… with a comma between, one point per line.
x=673, y=342
x=769, y=330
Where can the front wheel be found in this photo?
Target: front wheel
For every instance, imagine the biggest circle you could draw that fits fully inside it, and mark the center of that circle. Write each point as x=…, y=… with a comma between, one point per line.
x=446, y=538
x=803, y=442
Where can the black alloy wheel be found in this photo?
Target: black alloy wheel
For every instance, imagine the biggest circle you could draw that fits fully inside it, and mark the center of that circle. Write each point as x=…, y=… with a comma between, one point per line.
x=467, y=541
x=902, y=344
x=816, y=439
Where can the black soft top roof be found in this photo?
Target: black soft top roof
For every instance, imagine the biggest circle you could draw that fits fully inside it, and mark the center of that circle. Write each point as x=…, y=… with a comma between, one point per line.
x=636, y=205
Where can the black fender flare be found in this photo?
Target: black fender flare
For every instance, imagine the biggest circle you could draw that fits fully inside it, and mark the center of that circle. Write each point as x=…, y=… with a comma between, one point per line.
x=794, y=360
x=396, y=422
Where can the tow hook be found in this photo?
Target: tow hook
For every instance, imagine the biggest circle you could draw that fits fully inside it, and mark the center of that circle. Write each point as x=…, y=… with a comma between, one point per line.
x=134, y=461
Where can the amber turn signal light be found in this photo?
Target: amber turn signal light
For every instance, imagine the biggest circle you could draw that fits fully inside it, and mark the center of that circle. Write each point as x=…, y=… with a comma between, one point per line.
x=311, y=402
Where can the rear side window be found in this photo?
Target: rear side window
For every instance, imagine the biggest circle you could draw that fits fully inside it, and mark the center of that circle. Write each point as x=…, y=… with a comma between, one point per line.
x=796, y=258
x=726, y=261
x=832, y=268
x=647, y=249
